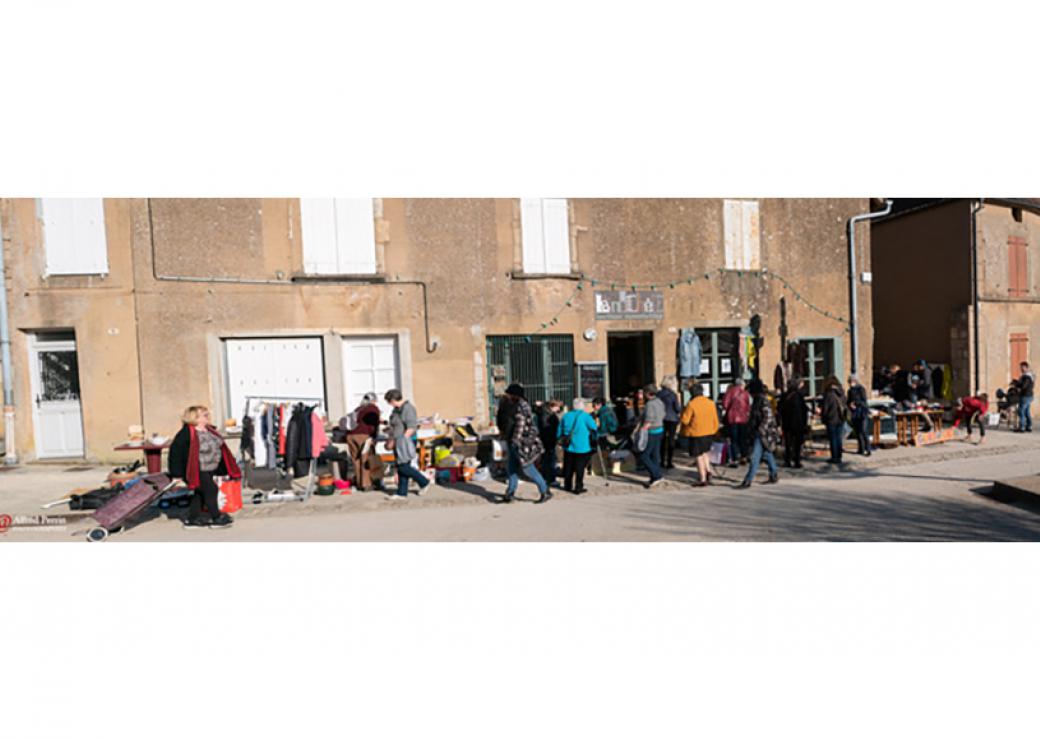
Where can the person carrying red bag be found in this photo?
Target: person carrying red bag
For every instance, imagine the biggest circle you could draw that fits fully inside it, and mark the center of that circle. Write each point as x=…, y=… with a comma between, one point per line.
x=198, y=454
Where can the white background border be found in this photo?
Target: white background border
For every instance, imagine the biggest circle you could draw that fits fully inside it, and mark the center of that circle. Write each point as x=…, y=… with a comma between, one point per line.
x=540, y=98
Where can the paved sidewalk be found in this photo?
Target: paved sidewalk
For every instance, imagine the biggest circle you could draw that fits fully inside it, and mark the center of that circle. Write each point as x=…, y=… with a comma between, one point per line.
x=24, y=489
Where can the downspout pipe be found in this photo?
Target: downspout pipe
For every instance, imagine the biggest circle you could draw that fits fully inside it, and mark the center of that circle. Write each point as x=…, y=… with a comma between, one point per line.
x=853, y=265
x=975, y=292
x=10, y=447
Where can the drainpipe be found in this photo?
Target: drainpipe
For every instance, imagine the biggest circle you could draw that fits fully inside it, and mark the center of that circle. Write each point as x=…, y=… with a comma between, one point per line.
x=975, y=291
x=10, y=447
x=851, y=234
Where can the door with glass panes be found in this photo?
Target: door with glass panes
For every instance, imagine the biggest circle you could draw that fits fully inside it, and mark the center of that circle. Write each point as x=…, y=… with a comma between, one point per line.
x=815, y=360
x=57, y=414
x=720, y=360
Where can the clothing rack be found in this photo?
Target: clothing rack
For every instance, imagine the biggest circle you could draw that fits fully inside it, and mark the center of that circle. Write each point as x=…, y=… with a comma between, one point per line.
x=301, y=492
x=284, y=399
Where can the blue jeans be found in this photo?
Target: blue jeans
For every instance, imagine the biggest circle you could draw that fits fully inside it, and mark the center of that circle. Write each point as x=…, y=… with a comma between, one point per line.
x=513, y=468
x=406, y=471
x=651, y=456
x=1025, y=419
x=758, y=452
x=835, y=432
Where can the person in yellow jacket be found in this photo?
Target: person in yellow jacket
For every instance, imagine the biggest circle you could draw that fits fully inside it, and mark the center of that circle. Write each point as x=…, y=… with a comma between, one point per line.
x=697, y=426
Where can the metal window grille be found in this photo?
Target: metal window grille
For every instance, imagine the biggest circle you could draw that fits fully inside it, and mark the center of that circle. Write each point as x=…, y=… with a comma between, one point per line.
x=544, y=366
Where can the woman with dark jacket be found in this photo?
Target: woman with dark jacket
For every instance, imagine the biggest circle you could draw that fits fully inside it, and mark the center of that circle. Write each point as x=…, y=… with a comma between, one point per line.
x=197, y=454
x=859, y=410
x=794, y=421
x=834, y=408
x=548, y=418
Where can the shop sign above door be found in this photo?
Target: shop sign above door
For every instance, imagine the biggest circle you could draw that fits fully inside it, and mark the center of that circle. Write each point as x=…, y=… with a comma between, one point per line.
x=623, y=304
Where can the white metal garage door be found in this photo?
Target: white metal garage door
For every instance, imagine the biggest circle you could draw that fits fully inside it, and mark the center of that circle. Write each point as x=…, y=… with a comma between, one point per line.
x=369, y=364
x=288, y=368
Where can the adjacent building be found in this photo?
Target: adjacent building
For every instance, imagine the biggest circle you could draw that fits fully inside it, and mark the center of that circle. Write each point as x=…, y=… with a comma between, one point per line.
x=125, y=311
x=936, y=262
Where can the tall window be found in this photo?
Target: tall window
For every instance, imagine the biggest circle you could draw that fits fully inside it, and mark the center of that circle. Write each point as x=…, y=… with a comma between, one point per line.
x=339, y=236
x=74, y=236
x=1019, y=350
x=721, y=363
x=741, y=235
x=545, y=233
x=542, y=364
x=815, y=360
x=1018, y=269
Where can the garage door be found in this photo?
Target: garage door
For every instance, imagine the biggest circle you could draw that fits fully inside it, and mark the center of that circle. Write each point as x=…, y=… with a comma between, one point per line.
x=287, y=368
x=369, y=364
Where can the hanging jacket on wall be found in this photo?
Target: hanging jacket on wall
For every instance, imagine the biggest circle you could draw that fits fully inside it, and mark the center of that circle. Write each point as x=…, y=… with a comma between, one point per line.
x=690, y=352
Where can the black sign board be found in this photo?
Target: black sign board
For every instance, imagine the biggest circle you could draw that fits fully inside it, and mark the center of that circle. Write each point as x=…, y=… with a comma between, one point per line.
x=592, y=380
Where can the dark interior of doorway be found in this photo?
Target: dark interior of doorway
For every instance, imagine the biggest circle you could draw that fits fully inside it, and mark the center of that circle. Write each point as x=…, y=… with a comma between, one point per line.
x=630, y=356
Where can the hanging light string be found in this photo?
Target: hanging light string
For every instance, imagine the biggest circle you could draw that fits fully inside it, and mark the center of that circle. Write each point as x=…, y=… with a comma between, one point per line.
x=674, y=284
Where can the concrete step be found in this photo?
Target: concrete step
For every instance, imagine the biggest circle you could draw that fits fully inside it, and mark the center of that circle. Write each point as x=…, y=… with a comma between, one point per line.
x=1019, y=490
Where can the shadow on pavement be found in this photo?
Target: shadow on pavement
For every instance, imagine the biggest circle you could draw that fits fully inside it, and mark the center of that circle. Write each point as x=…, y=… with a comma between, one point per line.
x=782, y=514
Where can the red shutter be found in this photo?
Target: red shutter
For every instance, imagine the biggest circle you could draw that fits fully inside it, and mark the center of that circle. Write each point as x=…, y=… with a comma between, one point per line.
x=1018, y=279
x=1019, y=350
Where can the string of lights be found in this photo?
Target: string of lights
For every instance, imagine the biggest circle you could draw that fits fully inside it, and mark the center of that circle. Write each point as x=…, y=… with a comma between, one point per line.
x=675, y=284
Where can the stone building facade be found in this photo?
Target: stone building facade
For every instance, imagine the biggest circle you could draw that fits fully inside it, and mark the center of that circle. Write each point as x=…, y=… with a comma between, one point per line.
x=923, y=269
x=128, y=310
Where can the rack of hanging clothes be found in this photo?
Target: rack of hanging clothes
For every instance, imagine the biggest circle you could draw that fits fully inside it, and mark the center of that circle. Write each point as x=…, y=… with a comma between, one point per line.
x=285, y=435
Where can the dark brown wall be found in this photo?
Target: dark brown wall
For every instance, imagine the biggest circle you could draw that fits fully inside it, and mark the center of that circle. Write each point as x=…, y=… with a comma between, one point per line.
x=922, y=275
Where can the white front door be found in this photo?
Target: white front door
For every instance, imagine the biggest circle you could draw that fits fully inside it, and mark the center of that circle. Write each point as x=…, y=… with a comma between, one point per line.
x=369, y=365
x=57, y=415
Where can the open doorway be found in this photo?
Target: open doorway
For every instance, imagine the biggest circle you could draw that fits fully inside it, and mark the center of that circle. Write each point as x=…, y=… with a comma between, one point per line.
x=630, y=355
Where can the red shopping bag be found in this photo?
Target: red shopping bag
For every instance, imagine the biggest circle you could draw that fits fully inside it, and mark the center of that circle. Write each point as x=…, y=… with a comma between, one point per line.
x=230, y=496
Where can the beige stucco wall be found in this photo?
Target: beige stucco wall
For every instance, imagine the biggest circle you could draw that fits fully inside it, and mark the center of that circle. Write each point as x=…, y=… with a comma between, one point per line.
x=101, y=311
x=464, y=249
x=1000, y=315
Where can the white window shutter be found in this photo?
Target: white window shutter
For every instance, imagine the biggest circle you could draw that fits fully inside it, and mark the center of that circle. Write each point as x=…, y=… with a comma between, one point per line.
x=532, y=235
x=74, y=236
x=557, y=234
x=751, y=232
x=318, y=230
x=91, y=245
x=356, y=236
x=733, y=227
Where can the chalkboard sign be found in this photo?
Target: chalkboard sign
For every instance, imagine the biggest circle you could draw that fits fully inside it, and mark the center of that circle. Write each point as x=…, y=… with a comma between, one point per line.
x=592, y=380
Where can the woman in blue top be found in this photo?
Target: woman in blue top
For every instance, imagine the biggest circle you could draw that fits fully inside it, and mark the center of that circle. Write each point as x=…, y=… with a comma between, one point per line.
x=580, y=427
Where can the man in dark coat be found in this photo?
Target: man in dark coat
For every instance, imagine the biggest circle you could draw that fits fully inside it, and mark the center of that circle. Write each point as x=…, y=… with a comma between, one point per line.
x=794, y=421
x=859, y=410
x=834, y=408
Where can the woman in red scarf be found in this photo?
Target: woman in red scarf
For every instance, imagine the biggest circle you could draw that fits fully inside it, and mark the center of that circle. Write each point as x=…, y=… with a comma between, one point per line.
x=197, y=454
